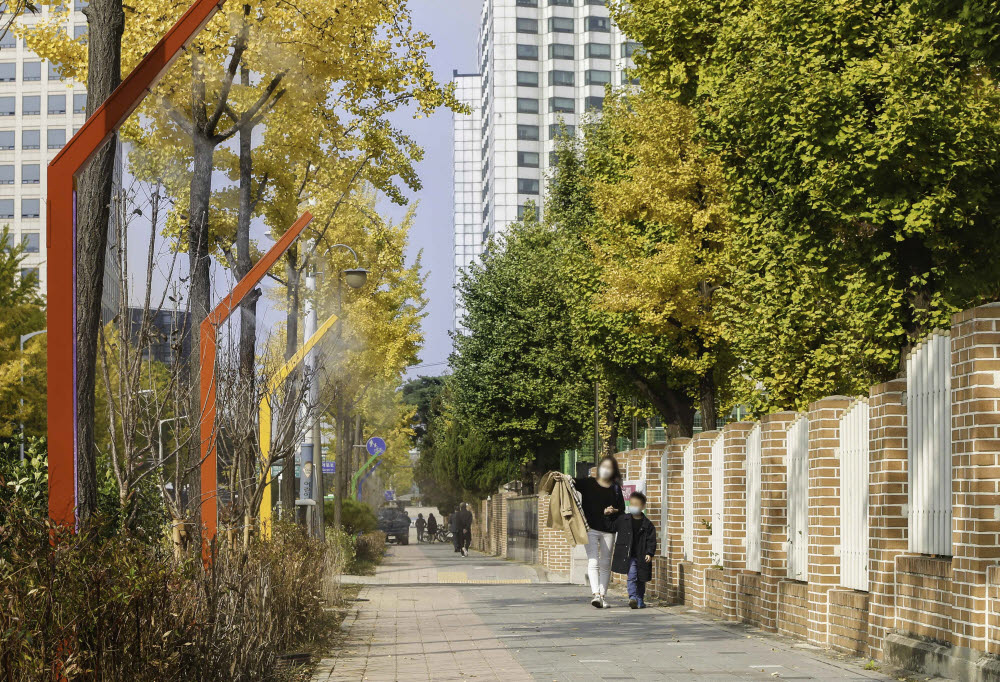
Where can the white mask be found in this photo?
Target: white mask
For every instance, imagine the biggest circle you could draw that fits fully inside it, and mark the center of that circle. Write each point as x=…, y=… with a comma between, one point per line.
x=632, y=509
x=604, y=473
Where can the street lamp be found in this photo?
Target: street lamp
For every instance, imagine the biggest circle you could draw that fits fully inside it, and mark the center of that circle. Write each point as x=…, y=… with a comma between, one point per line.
x=24, y=339
x=357, y=276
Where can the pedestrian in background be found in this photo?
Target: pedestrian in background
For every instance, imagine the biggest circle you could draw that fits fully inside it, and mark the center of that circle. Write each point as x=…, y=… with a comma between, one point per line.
x=432, y=527
x=464, y=535
x=420, y=524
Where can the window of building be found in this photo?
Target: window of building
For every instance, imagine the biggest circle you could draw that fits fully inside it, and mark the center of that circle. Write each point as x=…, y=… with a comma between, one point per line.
x=29, y=273
x=527, y=51
x=30, y=173
x=79, y=103
x=54, y=73
x=31, y=242
x=527, y=105
x=8, y=72
x=8, y=39
x=31, y=105
x=31, y=139
x=562, y=105
x=30, y=208
x=6, y=208
x=527, y=132
x=560, y=25
x=525, y=25
x=630, y=48
x=561, y=3
x=595, y=2
x=629, y=79
x=559, y=51
x=561, y=129
x=527, y=3
x=7, y=106
x=79, y=31
x=56, y=138
x=6, y=175
x=528, y=79
x=597, y=51
x=57, y=104
x=597, y=77
x=6, y=139
x=561, y=78
x=602, y=24
x=31, y=71
x=9, y=246
x=595, y=103
x=527, y=186
x=524, y=159
x=79, y=5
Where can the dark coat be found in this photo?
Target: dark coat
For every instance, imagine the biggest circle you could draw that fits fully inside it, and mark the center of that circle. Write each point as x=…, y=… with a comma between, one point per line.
x=432, y=524
x=645, y=543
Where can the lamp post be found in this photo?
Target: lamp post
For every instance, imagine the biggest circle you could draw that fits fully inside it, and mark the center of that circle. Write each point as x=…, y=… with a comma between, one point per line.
x=24, y=339
x=356, y=278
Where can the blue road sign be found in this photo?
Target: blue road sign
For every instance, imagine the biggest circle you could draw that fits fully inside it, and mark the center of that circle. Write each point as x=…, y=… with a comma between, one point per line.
x=375, y=446
x=390, y=495
x=329, y=467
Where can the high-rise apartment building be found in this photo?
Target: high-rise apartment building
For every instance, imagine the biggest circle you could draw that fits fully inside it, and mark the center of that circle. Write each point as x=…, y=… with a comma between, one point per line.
x=467, y=182
x=39, y=111
x=543, y=68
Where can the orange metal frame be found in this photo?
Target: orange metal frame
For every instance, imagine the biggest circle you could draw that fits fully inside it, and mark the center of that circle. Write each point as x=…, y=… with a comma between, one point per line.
x=209, y=330
x=60, y=241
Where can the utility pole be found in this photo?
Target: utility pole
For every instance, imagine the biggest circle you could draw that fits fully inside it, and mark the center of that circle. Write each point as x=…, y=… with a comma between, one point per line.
x=315, y=448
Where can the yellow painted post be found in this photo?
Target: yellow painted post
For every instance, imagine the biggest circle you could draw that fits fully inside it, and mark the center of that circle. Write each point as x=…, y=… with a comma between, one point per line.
x=265, y=420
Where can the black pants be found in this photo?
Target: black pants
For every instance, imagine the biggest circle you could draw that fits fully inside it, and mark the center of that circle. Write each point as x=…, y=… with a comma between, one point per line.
x=456, y=540
x=420, y=534
x=463, y=539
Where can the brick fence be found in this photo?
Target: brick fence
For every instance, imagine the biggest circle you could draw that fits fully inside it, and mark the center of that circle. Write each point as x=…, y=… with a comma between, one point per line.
x=935, y=613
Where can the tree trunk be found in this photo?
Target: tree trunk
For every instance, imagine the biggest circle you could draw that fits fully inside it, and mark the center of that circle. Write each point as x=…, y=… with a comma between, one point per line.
x=611, y=419
x=707, y=402
x=248, y=308
x=106, y=23
x=199, y=297
x=343, y=458
x=288, y=491
x=675, y=406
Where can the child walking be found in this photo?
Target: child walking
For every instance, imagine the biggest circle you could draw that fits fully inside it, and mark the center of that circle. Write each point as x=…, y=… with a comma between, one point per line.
x=635, y=547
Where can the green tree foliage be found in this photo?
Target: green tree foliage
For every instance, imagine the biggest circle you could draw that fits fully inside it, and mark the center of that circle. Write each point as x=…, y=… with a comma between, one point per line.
x=519, y=383
x=22, y=377
x=421, y=393
x=859, y=146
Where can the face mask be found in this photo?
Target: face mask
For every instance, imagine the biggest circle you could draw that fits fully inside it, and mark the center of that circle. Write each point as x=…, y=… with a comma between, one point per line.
x=605, y=473
x=632, y=509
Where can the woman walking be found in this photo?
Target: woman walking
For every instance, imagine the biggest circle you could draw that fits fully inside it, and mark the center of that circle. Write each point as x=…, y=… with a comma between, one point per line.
x=602, y=502
x=432, y=528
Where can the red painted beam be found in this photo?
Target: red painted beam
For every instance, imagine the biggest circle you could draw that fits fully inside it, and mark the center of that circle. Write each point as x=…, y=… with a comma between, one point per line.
x=209, y=330
x=60, y=240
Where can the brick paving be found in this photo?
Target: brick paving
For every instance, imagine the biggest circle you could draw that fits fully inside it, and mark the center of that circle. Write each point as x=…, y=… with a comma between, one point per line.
x=485, y=622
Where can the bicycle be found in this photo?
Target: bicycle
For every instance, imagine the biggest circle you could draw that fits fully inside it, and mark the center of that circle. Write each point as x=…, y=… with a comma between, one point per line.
x=443, y=535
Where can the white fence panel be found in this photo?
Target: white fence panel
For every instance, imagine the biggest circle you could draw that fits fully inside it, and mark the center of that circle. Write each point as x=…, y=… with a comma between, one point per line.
x=687, y=535
x=753, y=499
x=798, y=499
x=718, y=499
x=854, y=497
x=928, y=438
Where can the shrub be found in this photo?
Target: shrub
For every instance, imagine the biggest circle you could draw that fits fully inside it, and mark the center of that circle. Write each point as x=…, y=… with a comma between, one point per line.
x=110, y=607
x=370, y=547
x=355, y=517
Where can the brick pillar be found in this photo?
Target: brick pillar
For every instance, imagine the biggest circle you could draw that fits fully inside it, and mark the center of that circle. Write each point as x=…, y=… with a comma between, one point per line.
x=975, y=386
x=701, y=545
x=824, y=511
x=668, y=568
x=734, y=517
x=654, y=501
x=887, y=500
x=773, y=512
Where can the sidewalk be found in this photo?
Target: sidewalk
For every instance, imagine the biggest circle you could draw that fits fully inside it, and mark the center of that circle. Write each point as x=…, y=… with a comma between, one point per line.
x=432, y=615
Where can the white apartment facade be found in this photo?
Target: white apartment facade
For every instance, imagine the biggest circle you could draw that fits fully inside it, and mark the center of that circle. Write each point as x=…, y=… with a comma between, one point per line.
x=467, y=179
x=544, y=66
x=39, y=112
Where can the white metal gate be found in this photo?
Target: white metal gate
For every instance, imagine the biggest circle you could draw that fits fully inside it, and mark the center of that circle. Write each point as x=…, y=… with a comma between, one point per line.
x=718, y=499
x=753, y=499
x=928, y=438
x=688, y=533
x=854, y=497
x=798, y=499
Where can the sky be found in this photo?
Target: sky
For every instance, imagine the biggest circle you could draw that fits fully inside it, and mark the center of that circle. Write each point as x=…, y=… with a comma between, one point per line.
x=454, y=27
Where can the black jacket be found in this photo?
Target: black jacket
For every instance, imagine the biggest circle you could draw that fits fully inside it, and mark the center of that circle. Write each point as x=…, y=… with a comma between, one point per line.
x=645, y=543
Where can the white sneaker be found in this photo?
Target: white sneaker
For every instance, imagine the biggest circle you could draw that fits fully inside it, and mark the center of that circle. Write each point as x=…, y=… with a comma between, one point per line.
x=604, y=604
x=597, y=602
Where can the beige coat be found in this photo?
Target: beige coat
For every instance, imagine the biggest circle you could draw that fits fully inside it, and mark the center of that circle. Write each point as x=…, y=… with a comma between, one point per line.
x=565, y=512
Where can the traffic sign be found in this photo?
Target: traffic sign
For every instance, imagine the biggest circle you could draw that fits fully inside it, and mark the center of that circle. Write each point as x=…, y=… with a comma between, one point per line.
x=329, y=467
x=375, y=446
x=390, y=495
